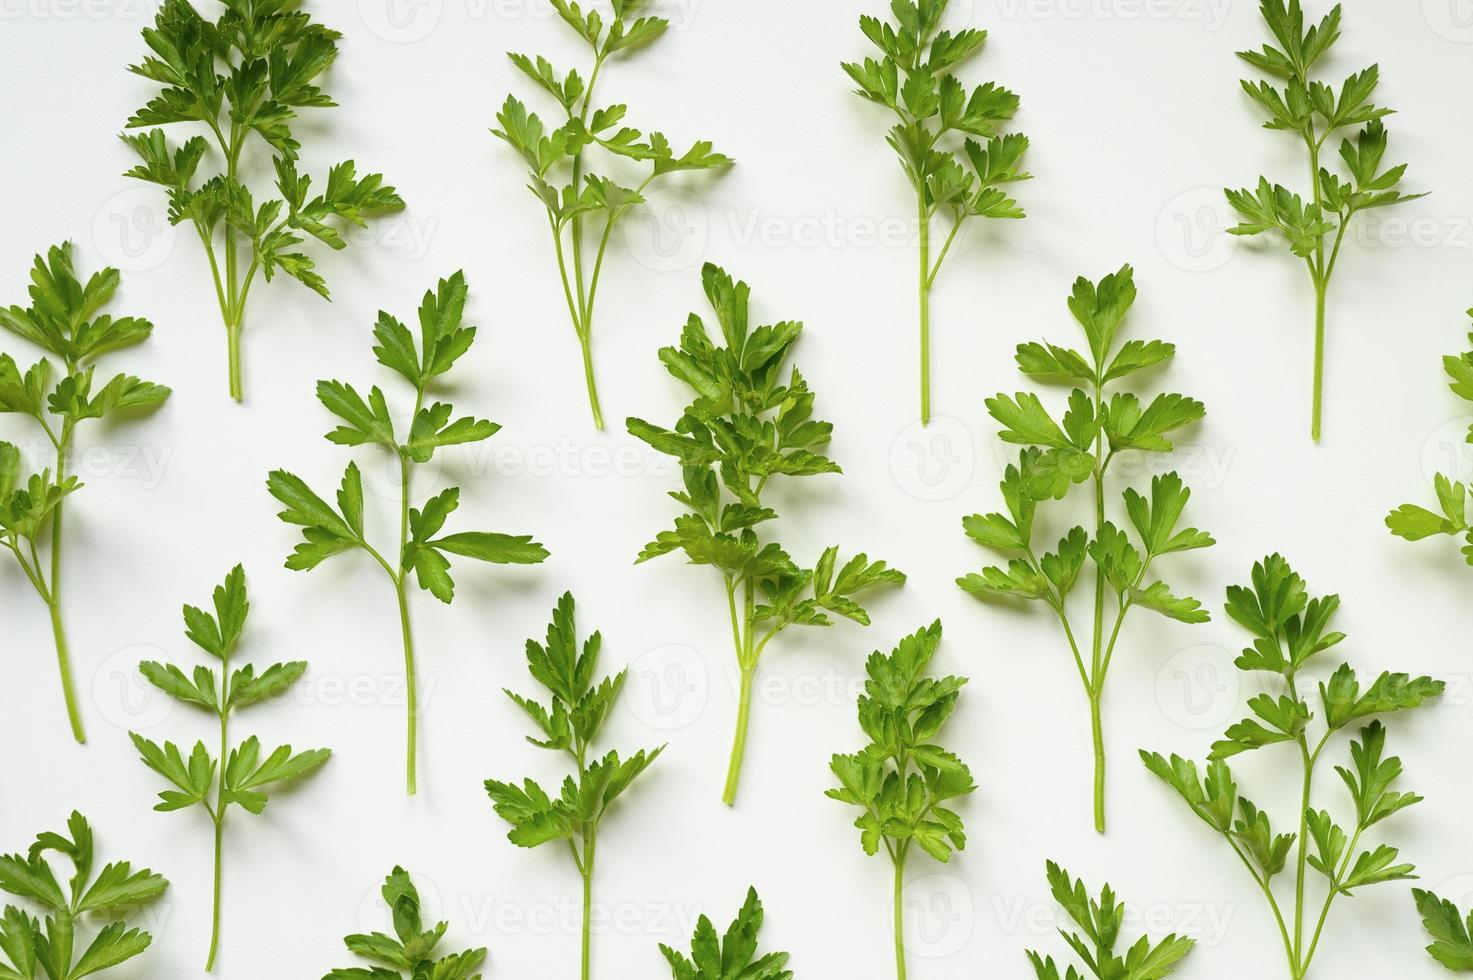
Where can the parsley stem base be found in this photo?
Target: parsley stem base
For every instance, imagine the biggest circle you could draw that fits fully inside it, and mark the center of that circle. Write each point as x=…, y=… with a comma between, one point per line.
x=1319, y=364
x=215, y=916
x=587, y=923
x=1098, y=729
x=232, y=343
x=739, y=743
x=64, y=664
x=586, y=343
x=411, y=684
x=900, y=918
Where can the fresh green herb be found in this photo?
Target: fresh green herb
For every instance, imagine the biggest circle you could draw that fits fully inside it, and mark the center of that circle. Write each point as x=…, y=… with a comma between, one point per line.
x=1098, y=426
x=947, y=141
x=733, y=957
x=1415, y=523
x=902, y=779
x=1102, y=921
x=246, y=73
x=410, y=956
x=1452, y=936
x=1289, y=630
x=745, y=427
x=62, y=320
x=1315, y=229
x=569, y=723
x=238, y=775
x=561, y=175
x=114, y=892
x=327, y=531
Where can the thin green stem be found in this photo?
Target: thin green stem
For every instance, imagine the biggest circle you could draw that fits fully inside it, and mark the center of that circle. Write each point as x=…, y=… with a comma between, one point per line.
x=739, y=741
x=1097, y=730
x=925, y=299
x=900, y=915
x=1329, y=900
x=58, y=628
x=1096, y=671
x=590, y=843
x=218, y=814
x=411, y=680
x=945, y=249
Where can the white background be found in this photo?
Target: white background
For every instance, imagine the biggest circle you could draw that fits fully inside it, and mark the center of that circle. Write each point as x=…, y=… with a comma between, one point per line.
x=1137, y=122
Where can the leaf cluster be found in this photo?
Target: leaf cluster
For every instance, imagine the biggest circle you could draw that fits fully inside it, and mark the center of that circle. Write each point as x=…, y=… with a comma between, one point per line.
x=914, y=77
x=1101, y=921
x=52, y=944
x=750, y=421
x=1290, y=629
x=732, y=956
x=1295, y=101
x=579, y=705
x=559, y=175
x=1416, y=523
x=1452, y=935
x=1057, y=454
x=248, y=775
x=328, y=531
x=409, y=953
x=247, y=74
x=64, y=320
x=903, y=780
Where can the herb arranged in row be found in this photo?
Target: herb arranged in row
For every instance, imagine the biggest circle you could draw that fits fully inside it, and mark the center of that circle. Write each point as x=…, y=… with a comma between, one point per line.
x=422, y=550
x=578, y=200
x=948, y=140
x=903, y=781
x=244, y=77
x=1289, y=631
x=1099, y=424
x=750, y=421
x=1315, y=227
x=115, y=892
x=239, y=775
x=1102, y=920
x=733, y=956
x=1415, y=523
x=63, y=320
x=580, y=703
x=409, y=954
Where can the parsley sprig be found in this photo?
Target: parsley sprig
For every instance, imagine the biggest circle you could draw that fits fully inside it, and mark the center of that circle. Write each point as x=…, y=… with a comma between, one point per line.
x=239, y=775
x=749, y=423
x=902, y=779
x=409, y=954
x=562, y=177
x=1289, y=630
x=51, y=944
x=1098, y=426
x=1315, y=228
x=1452, y=935
x=947, y=140
x=244, y=75
x=580, y=704
x=1415, y=523
x=421, y=549
x=63, y=320
x=1102, y=920
x=730, y=957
